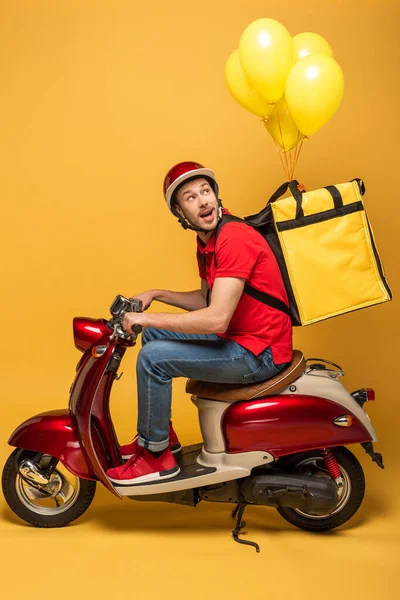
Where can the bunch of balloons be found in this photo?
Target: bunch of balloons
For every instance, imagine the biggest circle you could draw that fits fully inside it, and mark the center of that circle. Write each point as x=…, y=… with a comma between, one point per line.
x=294, y=84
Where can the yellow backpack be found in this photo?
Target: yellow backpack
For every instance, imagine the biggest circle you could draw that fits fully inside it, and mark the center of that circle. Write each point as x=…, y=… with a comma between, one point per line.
x=325, y=248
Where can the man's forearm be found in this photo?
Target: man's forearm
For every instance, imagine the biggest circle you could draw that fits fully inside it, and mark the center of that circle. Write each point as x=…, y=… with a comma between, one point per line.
x=205, y=320
x=215, y=318
x=185, y=300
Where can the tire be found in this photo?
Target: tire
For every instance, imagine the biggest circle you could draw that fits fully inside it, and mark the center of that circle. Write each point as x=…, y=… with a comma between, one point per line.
x=351, y=497
x=37, y=507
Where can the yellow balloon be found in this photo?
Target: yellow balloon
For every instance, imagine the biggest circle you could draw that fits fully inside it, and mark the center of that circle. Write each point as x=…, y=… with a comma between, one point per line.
x=240, y=89
x=282, y=127
x=310, y=43
x=314, y=91
x=266, y=55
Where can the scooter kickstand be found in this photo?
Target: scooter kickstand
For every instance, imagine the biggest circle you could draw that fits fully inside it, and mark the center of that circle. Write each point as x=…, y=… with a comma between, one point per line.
x=239, y=510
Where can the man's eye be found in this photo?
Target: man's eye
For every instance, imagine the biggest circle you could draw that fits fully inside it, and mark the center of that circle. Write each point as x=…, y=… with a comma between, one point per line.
x=206, y=190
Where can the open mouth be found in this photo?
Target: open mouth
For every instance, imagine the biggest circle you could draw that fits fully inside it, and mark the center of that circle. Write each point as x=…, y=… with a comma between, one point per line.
x=207, y=215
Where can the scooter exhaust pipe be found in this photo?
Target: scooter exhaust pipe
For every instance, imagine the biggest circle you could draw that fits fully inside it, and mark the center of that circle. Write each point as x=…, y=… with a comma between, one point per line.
x=30, y=471
x=309, y=493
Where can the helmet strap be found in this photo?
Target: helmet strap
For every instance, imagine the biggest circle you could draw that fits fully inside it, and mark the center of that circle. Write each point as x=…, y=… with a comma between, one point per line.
x=187, y=225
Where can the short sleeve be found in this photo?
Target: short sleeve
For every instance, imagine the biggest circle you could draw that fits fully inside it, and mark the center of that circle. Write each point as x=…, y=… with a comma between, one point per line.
x=237, y=253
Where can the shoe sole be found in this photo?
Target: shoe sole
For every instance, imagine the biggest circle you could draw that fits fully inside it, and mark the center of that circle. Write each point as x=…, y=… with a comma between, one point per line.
x=174, y=450
x=167, y=474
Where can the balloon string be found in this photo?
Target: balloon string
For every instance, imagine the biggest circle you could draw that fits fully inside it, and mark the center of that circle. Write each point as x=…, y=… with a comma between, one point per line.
x=283, y=146
x=287, y=164
x=298, y=150
x=278, y=148
x=279, y=152
x=280, y=131
x=289, y=154
x=292, y=156
x=295, y=154
x=293, y=161
x=294, y=150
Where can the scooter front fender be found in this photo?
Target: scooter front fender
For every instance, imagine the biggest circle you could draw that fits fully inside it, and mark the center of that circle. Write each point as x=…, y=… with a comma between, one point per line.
x=53, y=433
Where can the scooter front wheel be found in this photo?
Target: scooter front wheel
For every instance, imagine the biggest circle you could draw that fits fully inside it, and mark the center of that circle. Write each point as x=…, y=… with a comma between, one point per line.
x=54, y=504
x=350, y=498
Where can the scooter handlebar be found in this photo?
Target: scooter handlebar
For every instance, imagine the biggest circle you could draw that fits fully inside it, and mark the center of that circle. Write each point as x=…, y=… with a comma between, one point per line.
x=137, y=329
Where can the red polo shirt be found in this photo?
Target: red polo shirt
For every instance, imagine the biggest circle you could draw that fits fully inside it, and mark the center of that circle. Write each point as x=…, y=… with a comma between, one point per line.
x=243, y=252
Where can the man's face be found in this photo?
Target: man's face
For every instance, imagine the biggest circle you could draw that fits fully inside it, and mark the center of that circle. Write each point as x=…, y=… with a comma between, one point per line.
x=197, y=202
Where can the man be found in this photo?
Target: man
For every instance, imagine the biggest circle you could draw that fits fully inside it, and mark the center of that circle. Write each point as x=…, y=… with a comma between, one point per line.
x=234, y=339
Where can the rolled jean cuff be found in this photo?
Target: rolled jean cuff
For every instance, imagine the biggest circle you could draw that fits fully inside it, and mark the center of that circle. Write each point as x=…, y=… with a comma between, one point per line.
x=153, y=446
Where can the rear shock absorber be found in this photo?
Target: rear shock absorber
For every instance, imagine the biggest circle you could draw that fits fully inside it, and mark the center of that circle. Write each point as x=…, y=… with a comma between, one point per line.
x=332, y=466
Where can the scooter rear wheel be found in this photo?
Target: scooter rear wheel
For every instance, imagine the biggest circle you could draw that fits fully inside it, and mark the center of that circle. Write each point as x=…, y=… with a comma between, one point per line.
x=350, y=498
x=67, y=498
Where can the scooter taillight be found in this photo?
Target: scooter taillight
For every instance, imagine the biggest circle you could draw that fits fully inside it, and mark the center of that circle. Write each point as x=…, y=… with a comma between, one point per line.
x=88, y=331
x=364, y=395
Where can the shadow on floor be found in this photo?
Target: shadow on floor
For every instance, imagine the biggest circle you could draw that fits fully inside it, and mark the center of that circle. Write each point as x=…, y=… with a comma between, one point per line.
x=130, y=515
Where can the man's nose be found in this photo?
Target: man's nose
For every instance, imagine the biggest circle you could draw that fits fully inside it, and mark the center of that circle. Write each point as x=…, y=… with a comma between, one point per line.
x=203, y=201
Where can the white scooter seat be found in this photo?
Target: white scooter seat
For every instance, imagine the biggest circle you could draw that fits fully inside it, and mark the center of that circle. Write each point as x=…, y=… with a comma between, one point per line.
x=232, y=392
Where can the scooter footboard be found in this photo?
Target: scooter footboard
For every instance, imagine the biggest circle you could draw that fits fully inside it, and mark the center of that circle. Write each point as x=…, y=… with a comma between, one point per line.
x=53, y=433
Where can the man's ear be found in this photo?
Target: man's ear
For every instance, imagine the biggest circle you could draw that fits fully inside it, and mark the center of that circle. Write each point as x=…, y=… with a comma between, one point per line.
x=179, y=210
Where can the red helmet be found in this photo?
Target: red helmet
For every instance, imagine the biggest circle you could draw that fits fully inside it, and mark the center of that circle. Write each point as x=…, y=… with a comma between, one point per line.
x=180, y=173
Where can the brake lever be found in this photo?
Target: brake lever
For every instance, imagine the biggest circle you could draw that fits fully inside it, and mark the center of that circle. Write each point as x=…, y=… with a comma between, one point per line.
x=119, y=332
x=114, y=333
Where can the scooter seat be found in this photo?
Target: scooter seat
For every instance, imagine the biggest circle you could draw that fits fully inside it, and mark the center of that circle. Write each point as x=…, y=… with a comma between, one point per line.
x=233, y=392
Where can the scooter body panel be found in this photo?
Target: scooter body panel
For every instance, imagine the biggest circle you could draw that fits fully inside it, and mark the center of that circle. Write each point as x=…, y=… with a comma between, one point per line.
x=89, y=405
x=53, y=433
x=88, y=331
x=323, y=384
x=286, y=424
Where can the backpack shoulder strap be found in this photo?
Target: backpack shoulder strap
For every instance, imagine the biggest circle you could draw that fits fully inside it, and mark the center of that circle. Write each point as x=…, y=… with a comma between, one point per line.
x=201, y=258
x=225, y=219
x=249, y=289
x=266, y=299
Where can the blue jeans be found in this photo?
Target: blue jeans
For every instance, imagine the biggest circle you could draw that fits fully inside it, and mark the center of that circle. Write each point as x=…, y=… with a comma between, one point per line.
x=166, y=354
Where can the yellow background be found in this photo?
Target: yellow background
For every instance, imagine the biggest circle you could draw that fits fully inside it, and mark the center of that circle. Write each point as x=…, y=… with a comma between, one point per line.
x=98, y=100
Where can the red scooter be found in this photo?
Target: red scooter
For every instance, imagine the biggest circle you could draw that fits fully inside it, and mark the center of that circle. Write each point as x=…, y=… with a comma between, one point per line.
x=278, y=443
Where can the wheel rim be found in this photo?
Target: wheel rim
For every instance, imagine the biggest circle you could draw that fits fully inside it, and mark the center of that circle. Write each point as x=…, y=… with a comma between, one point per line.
x=66, y=491
x=316, y=466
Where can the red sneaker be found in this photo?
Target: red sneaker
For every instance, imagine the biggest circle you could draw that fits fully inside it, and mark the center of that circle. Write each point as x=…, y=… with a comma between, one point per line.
x=144, y=467
x=130, y=450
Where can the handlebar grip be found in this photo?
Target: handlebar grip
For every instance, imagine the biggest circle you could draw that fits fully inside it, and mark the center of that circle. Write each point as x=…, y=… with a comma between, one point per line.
x=137, y=329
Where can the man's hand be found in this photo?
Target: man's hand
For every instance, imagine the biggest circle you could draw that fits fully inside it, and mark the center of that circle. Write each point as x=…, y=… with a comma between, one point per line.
x=146, y=298
x=134, y=318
